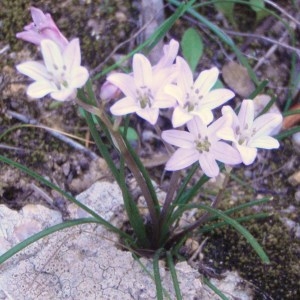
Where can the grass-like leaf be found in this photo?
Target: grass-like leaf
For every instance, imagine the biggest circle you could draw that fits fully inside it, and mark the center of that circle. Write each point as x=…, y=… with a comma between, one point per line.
x=214, y=288
x=249, y=237
x=223, y=37
x=42, y=234
x=152, y=41
x=65, y=194
x=174, y=275
x=209, y=228
x=157, y=278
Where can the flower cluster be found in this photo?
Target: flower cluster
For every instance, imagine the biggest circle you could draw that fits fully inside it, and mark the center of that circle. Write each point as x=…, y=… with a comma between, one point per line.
x=60, y=73
x=232, y=139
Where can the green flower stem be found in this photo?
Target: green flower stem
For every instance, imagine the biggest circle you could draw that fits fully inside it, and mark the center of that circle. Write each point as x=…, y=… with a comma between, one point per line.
x=169, y=197
x=121, y=146
x=205, y=216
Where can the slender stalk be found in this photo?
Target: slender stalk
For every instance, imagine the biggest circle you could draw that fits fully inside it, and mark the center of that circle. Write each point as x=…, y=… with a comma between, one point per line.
x=121, y=146
x=205, y=216
x=170, y=195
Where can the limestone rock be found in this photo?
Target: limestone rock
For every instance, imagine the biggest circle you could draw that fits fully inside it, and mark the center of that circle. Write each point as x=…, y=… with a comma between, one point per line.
x=82, y=262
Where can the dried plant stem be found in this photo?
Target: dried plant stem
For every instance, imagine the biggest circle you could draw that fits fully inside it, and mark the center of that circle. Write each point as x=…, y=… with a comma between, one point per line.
x=264, y=38
x=53, y=132
x=284, y=12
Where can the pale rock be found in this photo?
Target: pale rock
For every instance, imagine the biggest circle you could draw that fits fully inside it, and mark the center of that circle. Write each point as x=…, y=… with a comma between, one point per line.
x=294, y=179
x=85, y=261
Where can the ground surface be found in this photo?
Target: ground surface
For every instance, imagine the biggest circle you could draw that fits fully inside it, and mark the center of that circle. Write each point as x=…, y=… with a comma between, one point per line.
x=102, y=26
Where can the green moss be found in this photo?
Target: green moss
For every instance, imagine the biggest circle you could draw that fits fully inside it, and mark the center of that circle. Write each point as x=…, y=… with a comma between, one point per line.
x=279, y=280
x=13, y=16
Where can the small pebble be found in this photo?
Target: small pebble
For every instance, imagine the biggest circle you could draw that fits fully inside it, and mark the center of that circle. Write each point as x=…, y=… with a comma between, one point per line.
x=294, y=179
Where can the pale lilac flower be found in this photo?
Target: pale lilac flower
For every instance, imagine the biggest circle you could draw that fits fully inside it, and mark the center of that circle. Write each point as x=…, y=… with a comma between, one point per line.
x=60, y=74
x=42, y=27
x=247, y=134
x=143, y=89
x=109, y=91
x=196, y=98
x=200, y=144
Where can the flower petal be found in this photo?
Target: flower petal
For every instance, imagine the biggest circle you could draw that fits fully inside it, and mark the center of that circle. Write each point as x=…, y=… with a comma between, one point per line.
x=170, y=53
x=175, y=92
x=149, y=114
x=226, y=153
x=204, y=114
x=206, y=80
x=226, y=134
x=209, y=165
x=34, y=70
x=216, y=98
x=63, y=95
x=264, y=142
x=124, y=82
x=182, y=158
x=40, y=89
x=142, y=70
x=80, y=76
x=52, y=56
x=163, y=100
x=162, y=77
x=229, y=113
x=124, y=106
x=72, y=55
x=185, y=80
x=248, y=154
x=179, y=138
x=265, y=124
x=180, y=117
x=246, y=114
x=197, y=128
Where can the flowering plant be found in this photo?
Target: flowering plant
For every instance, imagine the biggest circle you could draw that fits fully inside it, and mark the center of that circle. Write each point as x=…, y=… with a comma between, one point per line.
x=200, y=139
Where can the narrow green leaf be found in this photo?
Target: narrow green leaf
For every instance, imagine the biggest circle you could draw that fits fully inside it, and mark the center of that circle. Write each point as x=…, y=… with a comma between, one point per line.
x=42, y=234
x=65, y=194
x=214, y=288
x=157, y=278
x=192, y=47
x=249, y=237
x=174, y=275
x=153, y=39
x=287, y=133
x=209, y=228
x=223, y=37
x=132, y=210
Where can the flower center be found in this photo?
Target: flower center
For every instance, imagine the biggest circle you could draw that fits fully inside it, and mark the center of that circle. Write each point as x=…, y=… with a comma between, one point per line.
x=202, y=144
x=192, y=99
x=58, y=77
x=145, y=97
x=243, y=136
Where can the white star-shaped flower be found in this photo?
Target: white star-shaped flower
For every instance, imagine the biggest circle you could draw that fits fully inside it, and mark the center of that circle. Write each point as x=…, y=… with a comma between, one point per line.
x=247, y=134
x=195, y=98
x=59, y=75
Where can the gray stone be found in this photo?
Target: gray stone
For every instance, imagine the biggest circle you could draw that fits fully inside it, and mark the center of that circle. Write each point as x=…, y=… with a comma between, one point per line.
x=83, y=262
